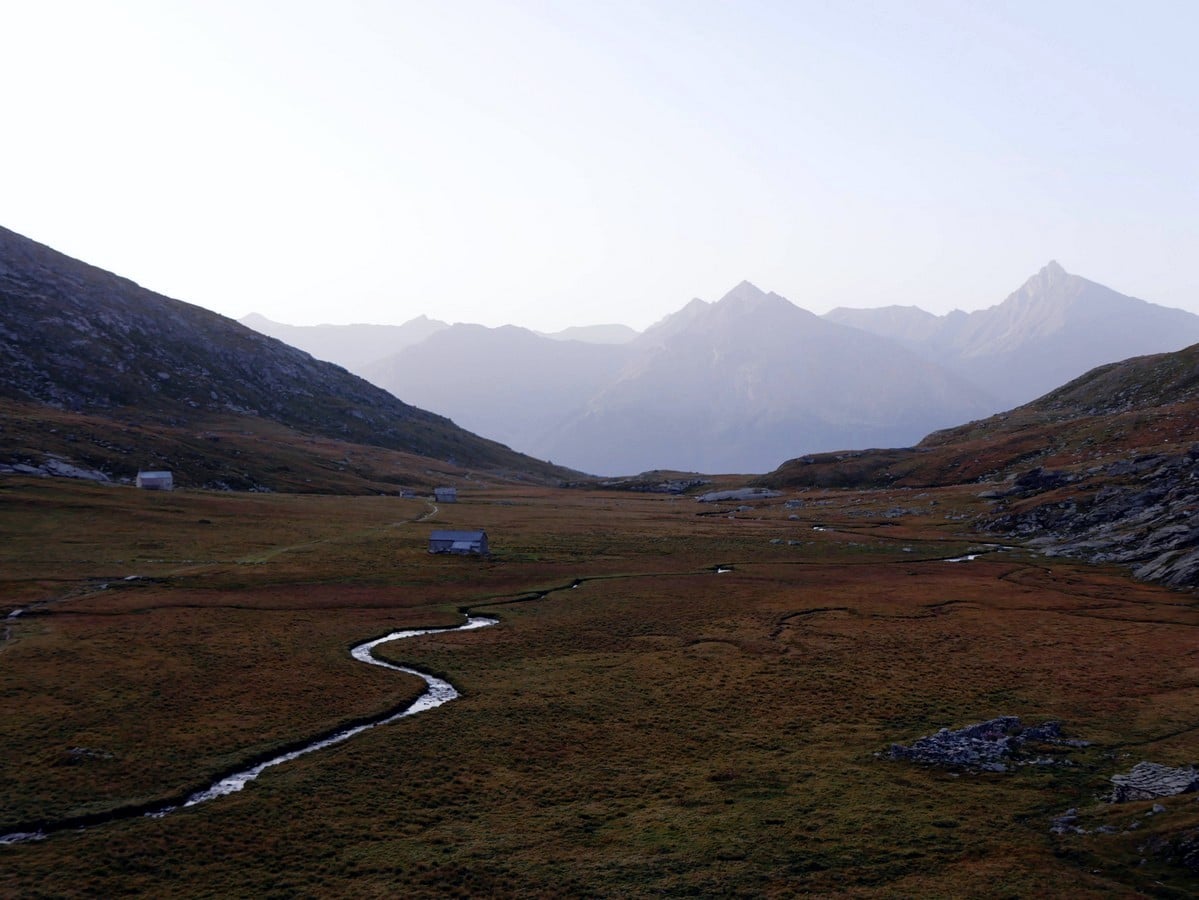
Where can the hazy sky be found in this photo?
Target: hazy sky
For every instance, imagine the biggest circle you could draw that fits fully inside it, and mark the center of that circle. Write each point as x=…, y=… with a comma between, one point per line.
x=555, y=163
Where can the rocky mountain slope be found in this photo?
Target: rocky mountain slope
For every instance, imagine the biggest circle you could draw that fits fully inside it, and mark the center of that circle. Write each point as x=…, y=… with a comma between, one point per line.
x=1055, y=327
x=1105, y=468
x=77, y=338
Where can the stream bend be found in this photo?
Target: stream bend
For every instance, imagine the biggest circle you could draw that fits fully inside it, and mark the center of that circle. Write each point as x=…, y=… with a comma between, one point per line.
x=438, y=691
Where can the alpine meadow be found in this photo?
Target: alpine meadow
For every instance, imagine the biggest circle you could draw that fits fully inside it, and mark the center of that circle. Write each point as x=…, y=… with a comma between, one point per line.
x=624, y=450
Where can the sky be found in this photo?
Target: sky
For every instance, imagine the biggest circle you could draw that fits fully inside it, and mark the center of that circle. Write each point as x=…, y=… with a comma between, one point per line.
x=561, y=163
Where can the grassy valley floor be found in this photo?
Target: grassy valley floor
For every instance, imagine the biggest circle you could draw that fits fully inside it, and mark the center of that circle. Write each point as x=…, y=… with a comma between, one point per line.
x=658, y=729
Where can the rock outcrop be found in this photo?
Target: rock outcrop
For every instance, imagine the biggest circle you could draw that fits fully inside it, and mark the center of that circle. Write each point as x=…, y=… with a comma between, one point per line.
x=989, y=746
x=1149, y=781
x=739, y=494
x=1140, y=514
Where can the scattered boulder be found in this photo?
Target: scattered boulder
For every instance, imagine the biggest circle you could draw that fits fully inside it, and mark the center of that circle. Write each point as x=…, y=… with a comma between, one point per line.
x=646, y=484
x=741, y=494
x=1148, y=781
x=1066, y=823
x=77, y=755
x=56, y=466
x=987, y=746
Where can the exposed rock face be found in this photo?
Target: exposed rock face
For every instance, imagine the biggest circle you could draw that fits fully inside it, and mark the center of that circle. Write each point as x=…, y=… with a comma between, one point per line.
x=988, y=746
x=1148, y=781
x=740, y=494
x=54, y=465
x=1141, y=517
x=646, y=485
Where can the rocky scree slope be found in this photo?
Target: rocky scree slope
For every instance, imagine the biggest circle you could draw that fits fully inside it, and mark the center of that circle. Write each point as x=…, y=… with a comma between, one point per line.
x=75, y=337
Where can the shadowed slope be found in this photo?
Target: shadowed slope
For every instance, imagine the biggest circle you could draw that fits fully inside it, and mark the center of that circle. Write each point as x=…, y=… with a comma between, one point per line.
x=77, y=338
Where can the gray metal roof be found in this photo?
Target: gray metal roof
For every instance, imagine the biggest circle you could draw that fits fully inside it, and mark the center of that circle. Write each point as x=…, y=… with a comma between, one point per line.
x=458, y=535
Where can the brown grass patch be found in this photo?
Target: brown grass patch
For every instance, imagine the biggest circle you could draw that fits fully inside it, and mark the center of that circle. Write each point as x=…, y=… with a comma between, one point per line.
x=659, y=729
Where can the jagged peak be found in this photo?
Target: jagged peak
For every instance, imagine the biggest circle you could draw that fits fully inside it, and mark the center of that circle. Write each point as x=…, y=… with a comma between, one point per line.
x=1045, y=284
x=744, y=291
x=1053, y=272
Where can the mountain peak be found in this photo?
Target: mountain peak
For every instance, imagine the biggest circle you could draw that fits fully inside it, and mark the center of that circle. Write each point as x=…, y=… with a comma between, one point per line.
x=745, y=291
x=1052, y=273
x=1052, y=285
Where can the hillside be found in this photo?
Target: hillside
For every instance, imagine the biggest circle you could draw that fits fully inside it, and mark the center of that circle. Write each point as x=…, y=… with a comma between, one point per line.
x=77, y=339
x=1105, y=467
x=1053, y=328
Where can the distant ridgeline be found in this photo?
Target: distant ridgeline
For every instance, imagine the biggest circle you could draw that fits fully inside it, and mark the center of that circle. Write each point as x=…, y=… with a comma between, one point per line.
x=744, y=383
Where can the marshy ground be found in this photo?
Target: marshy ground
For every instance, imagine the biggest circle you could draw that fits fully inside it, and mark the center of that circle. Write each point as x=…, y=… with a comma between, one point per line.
x=658, y=729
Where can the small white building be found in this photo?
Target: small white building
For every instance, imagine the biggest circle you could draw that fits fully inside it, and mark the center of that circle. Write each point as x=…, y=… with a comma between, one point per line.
x=155, y=481
x=445, y=495
x=460, y=542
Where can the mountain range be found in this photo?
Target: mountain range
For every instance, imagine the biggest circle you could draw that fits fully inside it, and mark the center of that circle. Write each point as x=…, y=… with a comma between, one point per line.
x=735, y=385
x=715, y=387
x=723, y=387
x=358, y=347
x=739, y=384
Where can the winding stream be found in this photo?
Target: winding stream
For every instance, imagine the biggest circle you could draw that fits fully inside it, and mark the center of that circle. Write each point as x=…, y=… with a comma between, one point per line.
x=438, y=691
